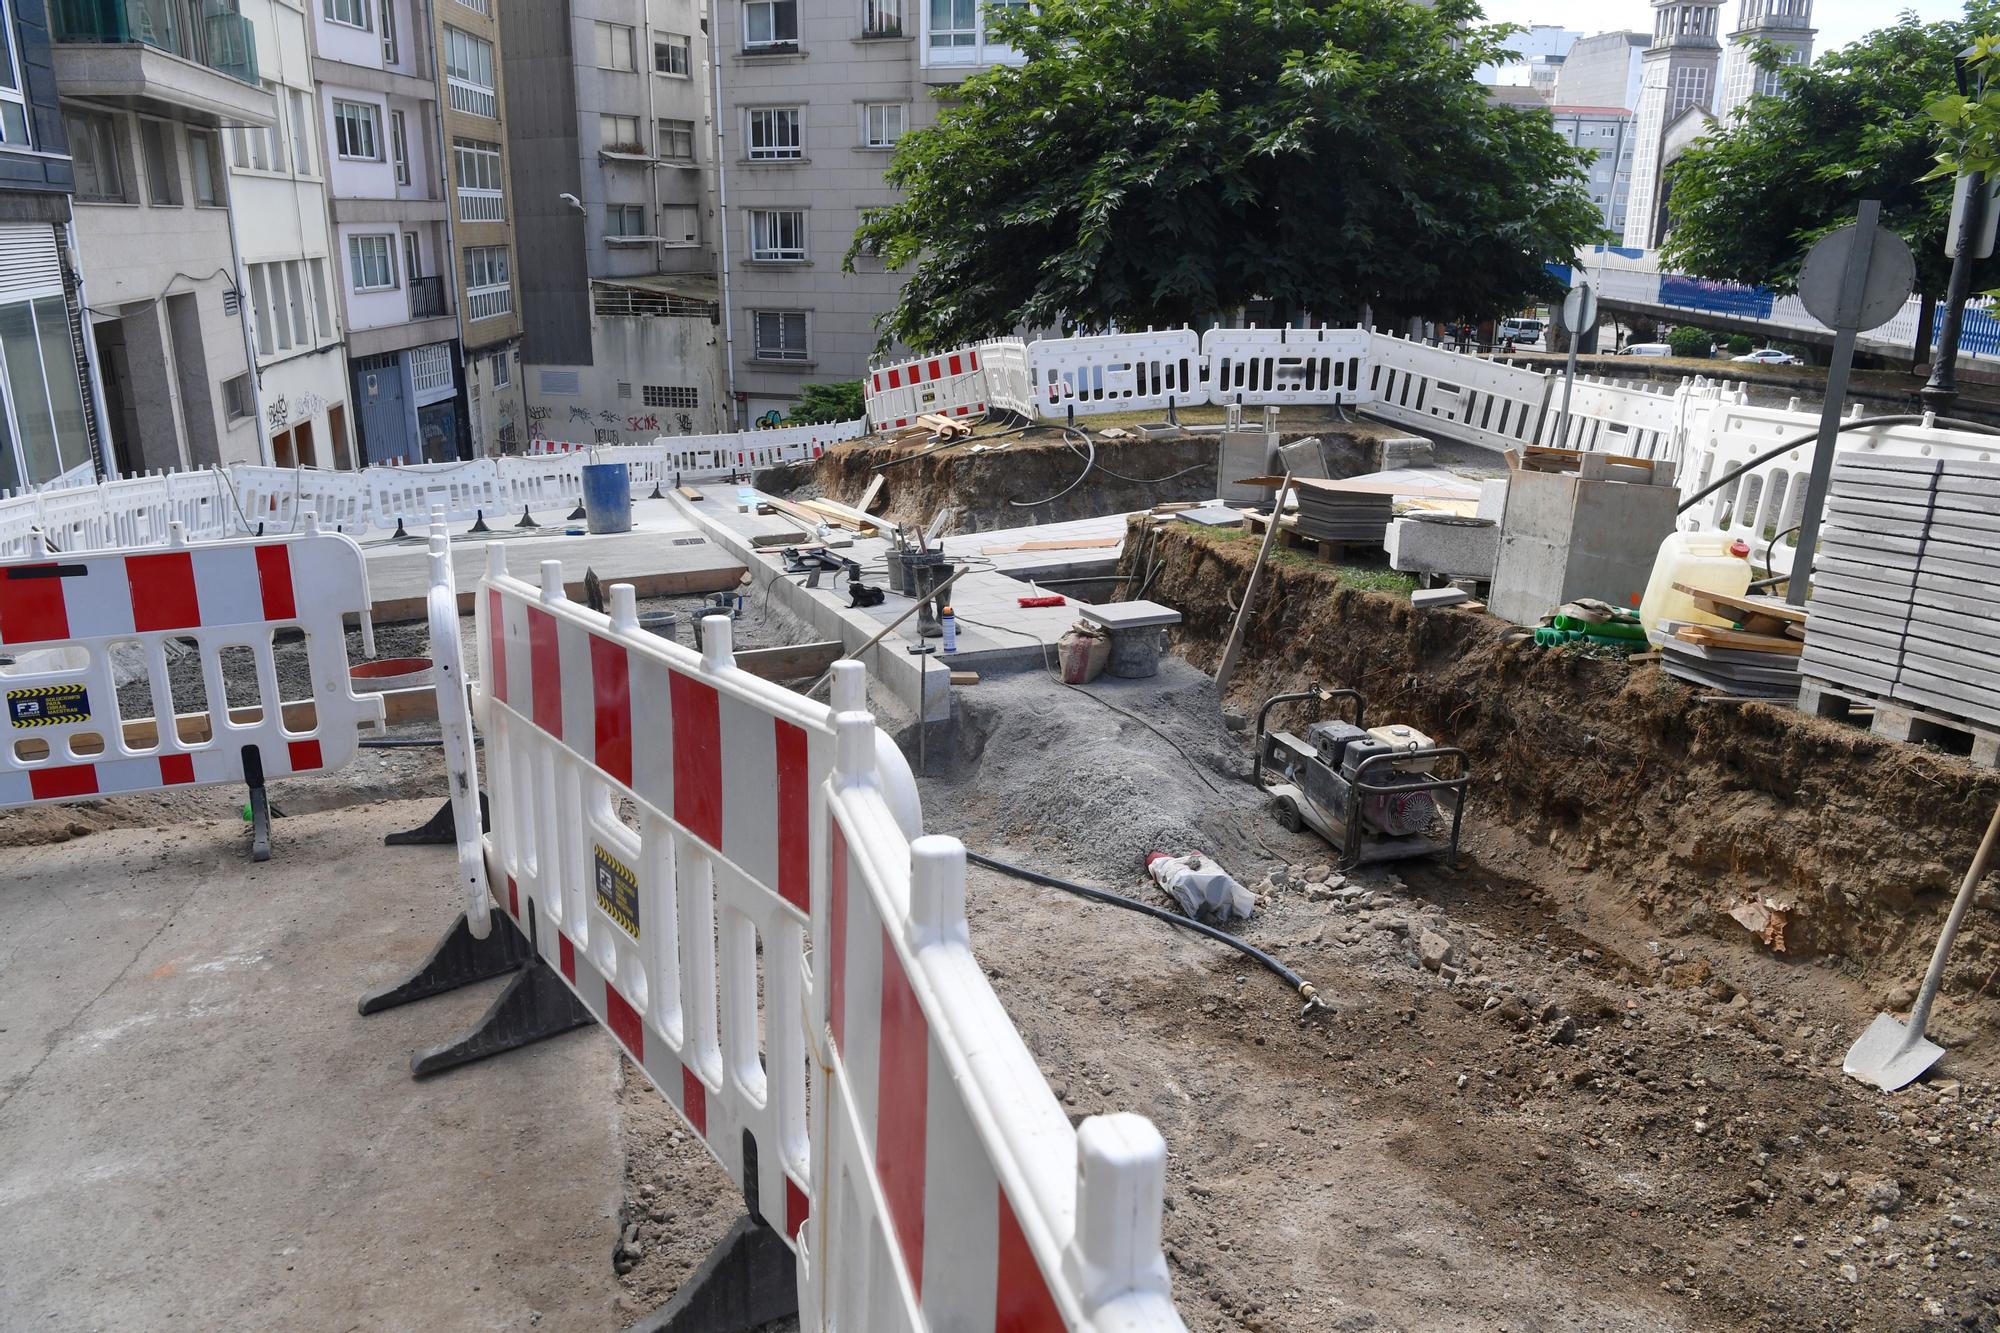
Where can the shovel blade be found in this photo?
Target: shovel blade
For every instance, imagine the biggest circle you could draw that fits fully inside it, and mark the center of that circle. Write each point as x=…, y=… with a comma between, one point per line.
x=1889, y=1055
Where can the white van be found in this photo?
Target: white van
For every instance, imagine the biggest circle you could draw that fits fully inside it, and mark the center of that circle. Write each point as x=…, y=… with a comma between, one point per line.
x=1649, y=349
x=1521, y=330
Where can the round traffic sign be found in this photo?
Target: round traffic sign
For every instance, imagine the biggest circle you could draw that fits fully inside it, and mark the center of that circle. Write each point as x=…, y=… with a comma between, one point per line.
x=1579, y=308
x=1877, y=293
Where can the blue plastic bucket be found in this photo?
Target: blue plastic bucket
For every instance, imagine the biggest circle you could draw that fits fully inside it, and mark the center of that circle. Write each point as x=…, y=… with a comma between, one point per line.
x=607, y=497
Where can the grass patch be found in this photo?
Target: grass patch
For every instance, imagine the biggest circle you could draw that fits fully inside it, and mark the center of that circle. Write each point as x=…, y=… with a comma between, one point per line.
x=1373, y=578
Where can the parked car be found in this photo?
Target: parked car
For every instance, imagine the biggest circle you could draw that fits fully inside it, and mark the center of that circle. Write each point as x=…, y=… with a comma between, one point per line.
x=1768, y=356
x=1522, y=330
x=1649, y=349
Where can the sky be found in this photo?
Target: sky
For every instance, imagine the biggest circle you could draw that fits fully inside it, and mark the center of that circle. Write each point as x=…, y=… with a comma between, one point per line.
x=1838, y=21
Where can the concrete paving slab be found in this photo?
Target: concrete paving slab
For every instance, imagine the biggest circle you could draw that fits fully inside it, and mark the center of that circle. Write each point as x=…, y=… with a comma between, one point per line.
x=197, y=1130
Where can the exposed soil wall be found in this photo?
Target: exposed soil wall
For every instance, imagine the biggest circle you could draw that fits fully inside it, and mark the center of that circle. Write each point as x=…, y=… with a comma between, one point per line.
x=1683, y=809
x=978, y=489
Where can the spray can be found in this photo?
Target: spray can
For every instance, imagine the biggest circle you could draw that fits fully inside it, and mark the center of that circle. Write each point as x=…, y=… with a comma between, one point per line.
x=949, y=623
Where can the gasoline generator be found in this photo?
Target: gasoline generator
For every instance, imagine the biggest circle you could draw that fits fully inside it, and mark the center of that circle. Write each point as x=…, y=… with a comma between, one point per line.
x=1375, y=793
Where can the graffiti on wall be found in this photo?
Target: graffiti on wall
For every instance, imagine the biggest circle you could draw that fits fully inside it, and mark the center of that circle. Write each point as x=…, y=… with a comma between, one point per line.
x=605, y=422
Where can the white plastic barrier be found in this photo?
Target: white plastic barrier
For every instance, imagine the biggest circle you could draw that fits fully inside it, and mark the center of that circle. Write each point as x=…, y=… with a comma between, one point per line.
x=407, y=495
x=1118, y=372
x=1612, y=417
x=1284, y=366
x=278, y=498
x=951, y=1192
x=540, y=481
x=1008, y=387
x=201, y=502
x=229, y=596
x=657, y=920
x=1487, y=402
x=950, y=384
x=455, y=726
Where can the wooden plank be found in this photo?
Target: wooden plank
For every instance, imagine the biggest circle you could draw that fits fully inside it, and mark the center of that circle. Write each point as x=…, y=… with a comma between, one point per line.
x=1721, y=604
x=791, y=661
x=840, y=516
x=873, y=493
x=965, y=677
x=688, y=492
x=1710, y=637
x=1566, y=460
x=1071, y=544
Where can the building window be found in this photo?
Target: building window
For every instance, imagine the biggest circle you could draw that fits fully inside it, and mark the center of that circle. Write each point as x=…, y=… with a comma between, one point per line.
x=778, y=335
x=500, y=368
x=163, y=164
x=236, y=399
x=676, y=140
x=13, y=106
x=777, y=235
x=322, y=312
x=1690, y=89
x=680, y=225
x=882, y=124
x=302, y=128
x=260, y=149
x=468, y=67
x=673, y=54
x=372, y=260
x=399, y=146
x=278, y=294
x=43, y=390
x=882, y=18
x=624, y=220
x=774, y=134
x=205, y=166
x=488, y=290
x=770, y=22
x=355, y=134
x=390, y=54
x=670, y=395
x=619, y=134
x=614, y=46
x=349, y=13
x=954, y=23
x=481, y=197
x=481, y=6
x=99, y=157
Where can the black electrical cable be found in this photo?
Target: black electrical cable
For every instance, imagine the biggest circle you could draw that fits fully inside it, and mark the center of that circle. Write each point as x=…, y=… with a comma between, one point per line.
x=1771, y=547
x=1305, y=989
x=1090, y=462
x=407, y=742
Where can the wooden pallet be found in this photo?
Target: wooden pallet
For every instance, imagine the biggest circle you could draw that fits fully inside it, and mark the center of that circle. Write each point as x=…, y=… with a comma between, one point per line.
x=1291, y=539
x=1898, y=721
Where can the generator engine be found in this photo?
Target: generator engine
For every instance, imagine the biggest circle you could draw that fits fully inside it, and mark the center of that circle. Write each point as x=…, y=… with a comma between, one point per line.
x=1374, y=792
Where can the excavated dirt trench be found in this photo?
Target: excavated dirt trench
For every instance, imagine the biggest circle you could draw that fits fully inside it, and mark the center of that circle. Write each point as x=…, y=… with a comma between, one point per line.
x=1672, y=809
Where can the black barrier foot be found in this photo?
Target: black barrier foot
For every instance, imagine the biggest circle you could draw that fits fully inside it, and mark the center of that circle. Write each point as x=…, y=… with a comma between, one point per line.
x=479, y=522
x=458, y=960
x=656, y=493
x=400, y=534
x=748, y=1280
x=440, y=830
x=527, y=520
x=535, y=1005
x=260, y=804
x=577, y=516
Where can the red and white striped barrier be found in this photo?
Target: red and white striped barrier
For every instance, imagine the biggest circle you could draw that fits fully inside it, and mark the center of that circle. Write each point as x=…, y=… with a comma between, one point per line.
x=230, y=595
x=951, y=384
x=952, y=1192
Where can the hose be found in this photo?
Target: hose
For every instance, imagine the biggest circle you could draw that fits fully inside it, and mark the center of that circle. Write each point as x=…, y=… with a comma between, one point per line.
x=407, y=742
x=1089, y=463
x=1901, y=419
x=1305, y=990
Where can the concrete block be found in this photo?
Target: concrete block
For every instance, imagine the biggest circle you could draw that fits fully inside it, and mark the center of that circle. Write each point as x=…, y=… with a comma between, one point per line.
x=1428, y=597
x=1462, y=549
x=1245, y=453
x=1493, y=498
x=1567, y=536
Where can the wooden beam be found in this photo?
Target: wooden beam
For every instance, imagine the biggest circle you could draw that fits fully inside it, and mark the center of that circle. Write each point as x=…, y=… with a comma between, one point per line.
x=869, y=496
x=792, y=661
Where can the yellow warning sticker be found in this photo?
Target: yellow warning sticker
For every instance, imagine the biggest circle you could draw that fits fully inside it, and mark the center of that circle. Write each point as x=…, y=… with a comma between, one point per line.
x=617, y=891
x=48, y=705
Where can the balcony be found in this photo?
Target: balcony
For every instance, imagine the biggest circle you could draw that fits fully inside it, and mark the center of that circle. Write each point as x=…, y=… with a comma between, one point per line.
x=427, y=298
x=475, y=205
x=189, y=60
x=487, y=302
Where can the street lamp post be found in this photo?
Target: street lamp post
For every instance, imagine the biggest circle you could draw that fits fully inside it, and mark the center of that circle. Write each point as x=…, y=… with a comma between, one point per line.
x=1941, y=390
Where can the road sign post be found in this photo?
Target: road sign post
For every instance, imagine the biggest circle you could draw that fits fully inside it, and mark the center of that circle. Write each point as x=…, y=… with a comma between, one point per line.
x=1577, y=313
x=1855, y=278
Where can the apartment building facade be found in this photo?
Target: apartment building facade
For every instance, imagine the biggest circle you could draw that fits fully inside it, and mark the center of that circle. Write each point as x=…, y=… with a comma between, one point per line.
x=50, y=411
x=148, y=89
x=480, y=221
x=609, y=108
x=287, y=267
x=1606, y=133
x=814, y=96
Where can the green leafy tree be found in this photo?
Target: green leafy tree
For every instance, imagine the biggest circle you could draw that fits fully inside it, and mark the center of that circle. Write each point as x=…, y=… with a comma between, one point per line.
x=1164, y=161
x=1748, y=200
x=825, y=404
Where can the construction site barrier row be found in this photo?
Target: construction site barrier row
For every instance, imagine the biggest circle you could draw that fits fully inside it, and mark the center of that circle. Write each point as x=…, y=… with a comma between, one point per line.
x=74, y=623
x=733, y=880
x=244, y=498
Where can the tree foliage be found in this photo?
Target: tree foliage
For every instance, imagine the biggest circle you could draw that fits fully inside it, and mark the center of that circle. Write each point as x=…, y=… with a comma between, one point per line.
x=825, y=404
x=1687, y=340
x=1163, y=161
x=1749, y=200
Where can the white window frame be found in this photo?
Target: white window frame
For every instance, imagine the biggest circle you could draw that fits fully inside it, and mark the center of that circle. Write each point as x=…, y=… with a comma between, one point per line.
x=610, y=136
x=363, y=12
x=399, y=146
x=622, y=213
x=462, y=52
x=301, y=129
x=667, y=131
x=613, y=42
x=108, y=131
x=358, y=264
x=214, y=184
x=346, y=113
x=13, y=98
x=768, y=123
x=500, y=369
x=482, y=195
x=391, y=47
x=772, y=13
x=777, y=235
x=671, y=45
x=875, y=125
x=495, y=295
x=758, y=350
x=882, y=18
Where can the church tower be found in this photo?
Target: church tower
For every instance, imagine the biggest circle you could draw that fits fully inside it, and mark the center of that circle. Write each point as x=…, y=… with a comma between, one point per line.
x=1786, y=24
x=1680, y=74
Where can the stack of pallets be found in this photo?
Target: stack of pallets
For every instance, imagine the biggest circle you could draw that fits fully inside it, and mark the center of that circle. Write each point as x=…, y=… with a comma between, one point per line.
x=1906, y=590
x=1756, y=658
